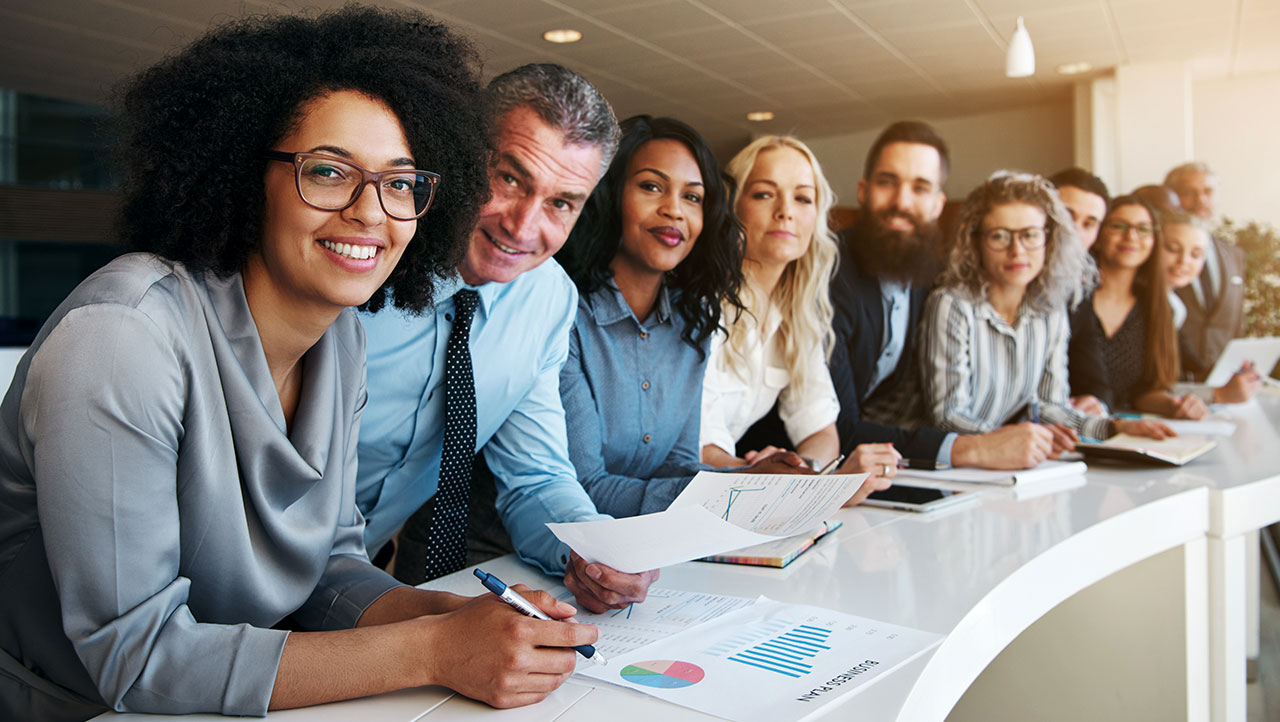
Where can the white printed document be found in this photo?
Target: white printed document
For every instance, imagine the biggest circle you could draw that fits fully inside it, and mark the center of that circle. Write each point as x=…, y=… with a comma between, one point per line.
x=769, y=662
x=1044, y=471
x=1206, y=427
x=652, y=541
x=664, y=612
x=776, y=504
x=716, y=513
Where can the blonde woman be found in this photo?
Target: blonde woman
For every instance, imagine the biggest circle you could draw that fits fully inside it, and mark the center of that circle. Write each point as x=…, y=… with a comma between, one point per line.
x=1183, y=251
x=776, y=351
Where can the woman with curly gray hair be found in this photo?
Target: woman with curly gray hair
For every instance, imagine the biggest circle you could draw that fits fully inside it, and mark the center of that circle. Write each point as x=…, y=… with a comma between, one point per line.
x=994, y=334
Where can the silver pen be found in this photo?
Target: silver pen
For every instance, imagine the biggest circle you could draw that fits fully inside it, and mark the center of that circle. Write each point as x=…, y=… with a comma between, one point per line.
x=831, y=466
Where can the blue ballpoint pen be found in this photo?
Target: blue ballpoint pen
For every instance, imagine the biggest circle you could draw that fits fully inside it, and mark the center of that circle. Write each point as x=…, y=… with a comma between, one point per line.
x=525, y=607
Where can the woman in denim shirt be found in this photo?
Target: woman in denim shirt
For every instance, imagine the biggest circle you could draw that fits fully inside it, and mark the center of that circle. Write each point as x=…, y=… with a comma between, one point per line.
x=655, y=254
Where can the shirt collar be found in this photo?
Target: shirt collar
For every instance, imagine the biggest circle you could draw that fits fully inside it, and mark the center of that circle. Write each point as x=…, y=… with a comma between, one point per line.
x=1025, y=313
x=609, y=307
x=488, y=292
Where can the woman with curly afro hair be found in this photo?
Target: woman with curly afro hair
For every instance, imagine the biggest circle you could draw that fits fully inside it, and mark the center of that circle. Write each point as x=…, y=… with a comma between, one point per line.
x=177, y=449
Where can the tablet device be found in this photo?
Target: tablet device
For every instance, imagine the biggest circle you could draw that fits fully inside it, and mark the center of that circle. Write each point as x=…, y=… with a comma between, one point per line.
x=1263, y=352
x=916, y=498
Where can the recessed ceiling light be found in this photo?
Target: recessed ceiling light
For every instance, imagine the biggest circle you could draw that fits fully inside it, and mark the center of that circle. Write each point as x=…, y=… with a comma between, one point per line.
x=562, y=35
x=760, y=116
x=1074, y=68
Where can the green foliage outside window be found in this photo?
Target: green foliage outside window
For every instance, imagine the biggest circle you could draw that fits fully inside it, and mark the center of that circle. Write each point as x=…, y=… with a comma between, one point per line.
x=1261, y=244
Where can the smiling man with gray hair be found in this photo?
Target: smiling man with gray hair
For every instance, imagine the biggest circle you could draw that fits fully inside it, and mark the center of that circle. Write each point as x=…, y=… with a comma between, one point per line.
x=480, y=372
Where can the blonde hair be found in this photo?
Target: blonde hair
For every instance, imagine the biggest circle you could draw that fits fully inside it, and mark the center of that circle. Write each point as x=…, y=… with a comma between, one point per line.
x=801, y=295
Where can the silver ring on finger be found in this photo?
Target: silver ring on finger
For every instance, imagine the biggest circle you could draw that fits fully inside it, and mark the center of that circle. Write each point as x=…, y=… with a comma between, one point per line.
x=885, y=473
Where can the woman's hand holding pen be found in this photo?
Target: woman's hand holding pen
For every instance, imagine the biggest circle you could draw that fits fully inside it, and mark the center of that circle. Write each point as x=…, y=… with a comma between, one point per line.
x=490, y=652
x=1242, y=386
x=1064, y=439
x=880, y=461
x=1190, y=406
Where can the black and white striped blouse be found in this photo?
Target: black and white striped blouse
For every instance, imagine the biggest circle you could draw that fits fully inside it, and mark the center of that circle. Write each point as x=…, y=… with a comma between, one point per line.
x=978, y=373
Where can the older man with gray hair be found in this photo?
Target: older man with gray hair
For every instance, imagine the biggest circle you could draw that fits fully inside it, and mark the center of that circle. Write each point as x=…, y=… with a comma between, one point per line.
x=1215, y=300
x=431, y=410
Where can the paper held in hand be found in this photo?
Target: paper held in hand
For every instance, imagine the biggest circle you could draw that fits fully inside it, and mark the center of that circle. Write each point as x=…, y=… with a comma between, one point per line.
x=716, y=513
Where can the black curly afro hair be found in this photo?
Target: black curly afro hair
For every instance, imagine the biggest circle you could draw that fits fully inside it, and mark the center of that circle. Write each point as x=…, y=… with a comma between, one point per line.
x=195, y=124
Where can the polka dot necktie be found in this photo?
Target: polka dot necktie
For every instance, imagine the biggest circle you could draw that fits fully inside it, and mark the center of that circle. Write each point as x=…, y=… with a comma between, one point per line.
x=446, y=542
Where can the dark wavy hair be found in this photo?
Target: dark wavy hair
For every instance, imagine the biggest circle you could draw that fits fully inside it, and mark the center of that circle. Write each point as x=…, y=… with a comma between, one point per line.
x=194, y=126
x=709, y=276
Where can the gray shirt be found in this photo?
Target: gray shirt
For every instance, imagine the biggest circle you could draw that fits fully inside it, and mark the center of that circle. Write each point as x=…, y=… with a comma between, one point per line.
x=155, y=517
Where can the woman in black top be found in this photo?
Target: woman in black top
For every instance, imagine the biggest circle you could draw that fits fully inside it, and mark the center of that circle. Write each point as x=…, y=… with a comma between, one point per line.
x=1127, y=323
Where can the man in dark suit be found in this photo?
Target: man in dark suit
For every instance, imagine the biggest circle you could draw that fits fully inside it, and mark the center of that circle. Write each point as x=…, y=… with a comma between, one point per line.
x=888, y=261
x=1215, y=301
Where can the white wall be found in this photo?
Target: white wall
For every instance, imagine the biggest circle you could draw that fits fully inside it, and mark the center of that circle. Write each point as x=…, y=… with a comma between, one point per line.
x=1037, y=138
x=1236, y=134
x=9, y=357
x=1154, y=121
x=1162, y=114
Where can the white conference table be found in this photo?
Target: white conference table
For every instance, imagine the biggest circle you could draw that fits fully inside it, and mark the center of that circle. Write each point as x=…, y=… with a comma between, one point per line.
x=1128, y=587
x=1244, y=496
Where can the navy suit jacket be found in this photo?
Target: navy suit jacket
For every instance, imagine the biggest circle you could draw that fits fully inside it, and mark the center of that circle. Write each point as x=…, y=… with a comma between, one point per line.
x=859, y=330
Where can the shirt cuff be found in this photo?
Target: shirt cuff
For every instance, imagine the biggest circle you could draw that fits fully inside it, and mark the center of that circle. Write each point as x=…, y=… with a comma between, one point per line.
x=1096, y=427
x=944, y=451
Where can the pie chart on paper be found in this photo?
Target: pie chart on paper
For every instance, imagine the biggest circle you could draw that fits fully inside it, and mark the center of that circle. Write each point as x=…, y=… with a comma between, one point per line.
x=663, y=673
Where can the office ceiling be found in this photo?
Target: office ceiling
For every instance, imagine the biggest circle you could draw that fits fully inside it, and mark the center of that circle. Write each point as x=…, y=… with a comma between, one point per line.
x=824, y=67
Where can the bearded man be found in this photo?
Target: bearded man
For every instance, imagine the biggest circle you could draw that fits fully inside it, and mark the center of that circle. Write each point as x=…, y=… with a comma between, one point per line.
x=888, y=261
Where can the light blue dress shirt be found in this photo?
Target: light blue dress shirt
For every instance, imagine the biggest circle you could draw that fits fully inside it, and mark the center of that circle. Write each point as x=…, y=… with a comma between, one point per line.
x=631, y=394
x=895, y=302
x=519, y=341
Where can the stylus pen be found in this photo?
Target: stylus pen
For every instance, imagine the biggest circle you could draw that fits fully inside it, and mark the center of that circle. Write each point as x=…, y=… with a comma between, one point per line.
x=525, y=607
x=831, y=466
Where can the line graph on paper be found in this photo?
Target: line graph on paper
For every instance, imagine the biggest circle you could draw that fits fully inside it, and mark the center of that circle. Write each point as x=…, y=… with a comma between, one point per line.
x=734, y=493
x=775, y=504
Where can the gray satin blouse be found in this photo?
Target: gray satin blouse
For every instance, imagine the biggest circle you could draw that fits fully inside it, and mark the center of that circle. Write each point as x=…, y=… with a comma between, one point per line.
x=155, y=517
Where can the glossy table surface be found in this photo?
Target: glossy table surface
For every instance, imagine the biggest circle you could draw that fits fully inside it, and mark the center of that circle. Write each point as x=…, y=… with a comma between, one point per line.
x=979, y=573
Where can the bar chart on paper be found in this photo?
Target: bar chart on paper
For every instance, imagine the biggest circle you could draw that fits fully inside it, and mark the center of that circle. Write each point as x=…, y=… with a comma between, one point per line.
x=789, y=649
x=769, y=661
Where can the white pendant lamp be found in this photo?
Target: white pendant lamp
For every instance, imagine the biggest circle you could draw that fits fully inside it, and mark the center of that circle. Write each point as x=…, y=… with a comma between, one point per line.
x=1020, y=61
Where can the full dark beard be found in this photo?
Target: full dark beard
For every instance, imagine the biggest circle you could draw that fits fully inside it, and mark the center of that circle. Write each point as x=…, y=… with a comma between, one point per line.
x=914, y=257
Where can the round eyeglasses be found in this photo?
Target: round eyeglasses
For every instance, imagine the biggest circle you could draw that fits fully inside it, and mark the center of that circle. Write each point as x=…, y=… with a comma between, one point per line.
x=999, y=239
x=332, y=184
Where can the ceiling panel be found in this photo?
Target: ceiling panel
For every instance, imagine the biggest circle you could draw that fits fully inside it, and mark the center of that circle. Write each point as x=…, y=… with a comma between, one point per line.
x=908, y=14
x=754, y=11
x=667, y=17
x=820, y=64
x=804, y=29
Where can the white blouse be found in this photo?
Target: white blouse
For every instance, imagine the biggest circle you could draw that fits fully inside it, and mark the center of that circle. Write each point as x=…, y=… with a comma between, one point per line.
x=731, y=403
